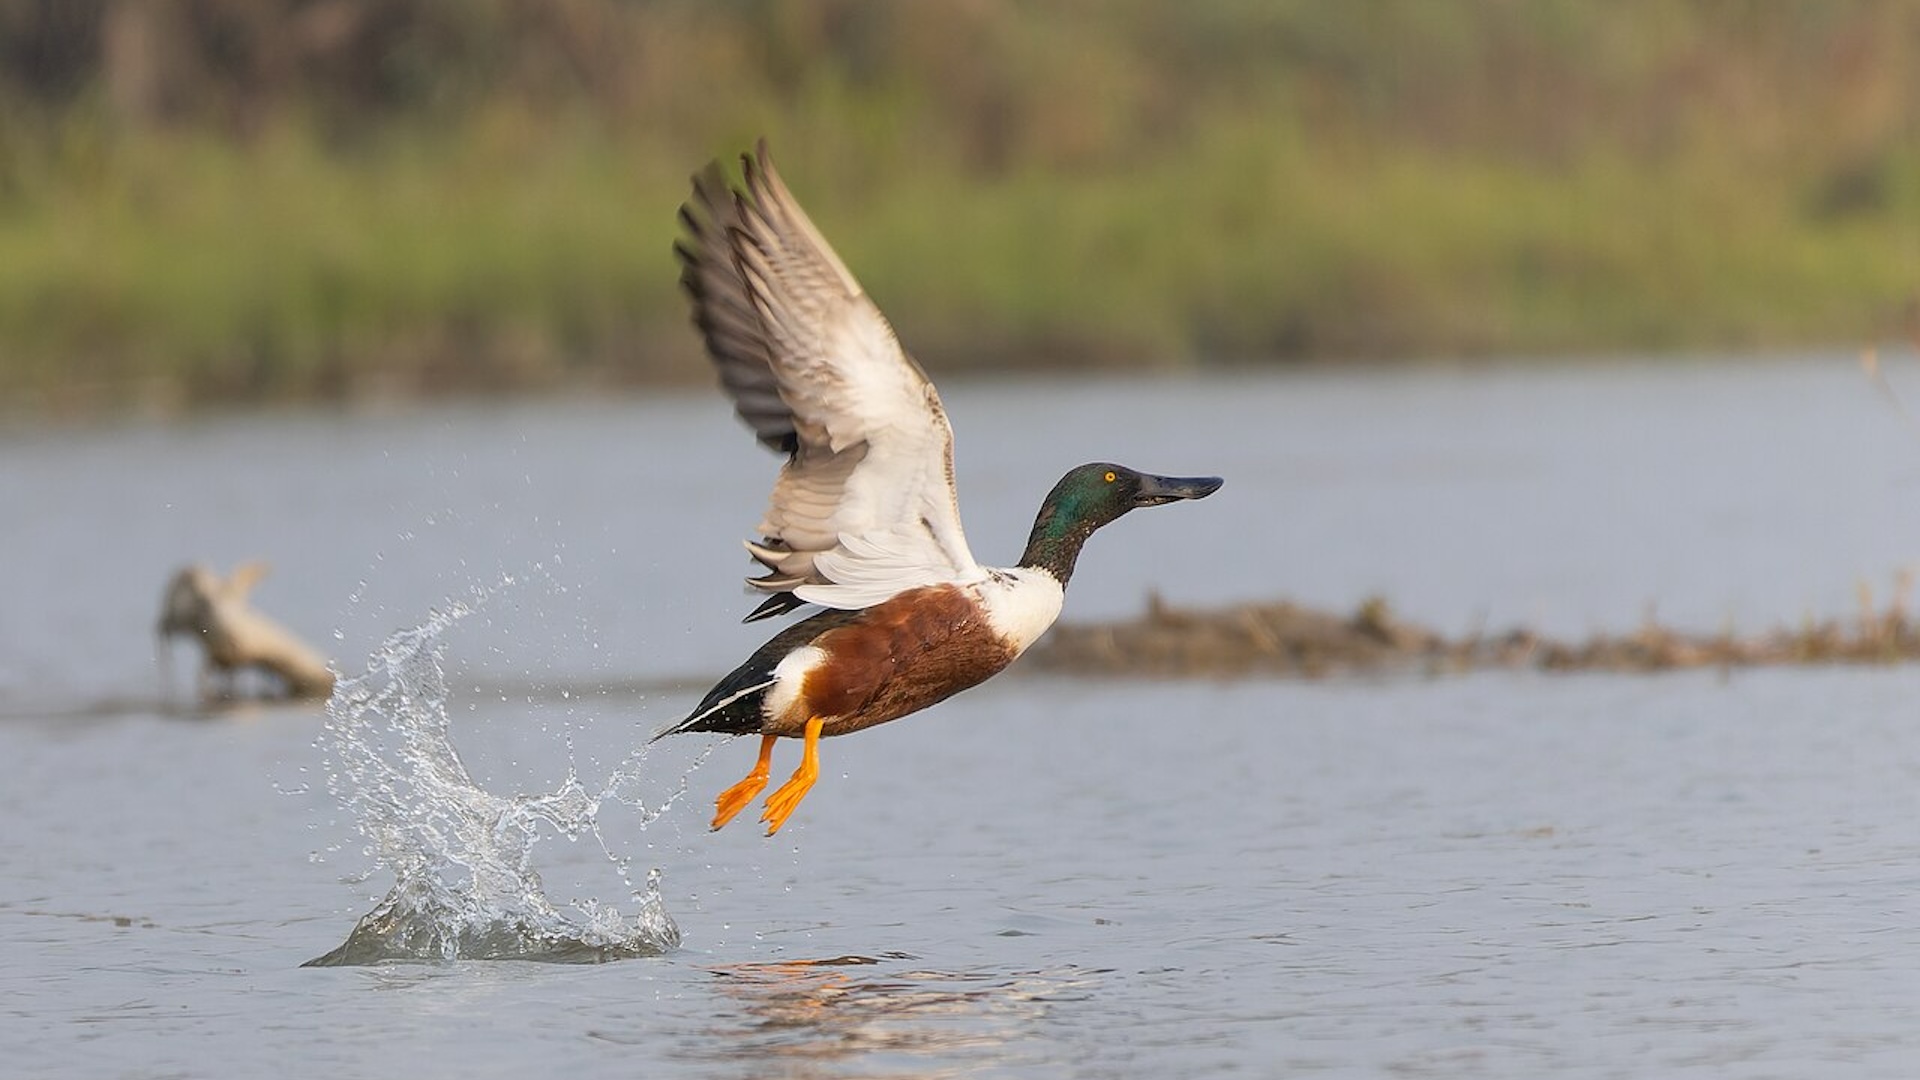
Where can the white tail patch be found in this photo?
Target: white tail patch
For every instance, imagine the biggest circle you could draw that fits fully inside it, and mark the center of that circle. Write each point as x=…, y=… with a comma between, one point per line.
x=789, y=676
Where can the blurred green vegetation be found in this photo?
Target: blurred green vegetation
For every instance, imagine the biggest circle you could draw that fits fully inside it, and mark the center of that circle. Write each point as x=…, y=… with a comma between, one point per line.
x=250, y=199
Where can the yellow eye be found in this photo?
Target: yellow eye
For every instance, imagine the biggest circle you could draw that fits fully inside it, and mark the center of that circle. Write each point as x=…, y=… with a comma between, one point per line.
x=1111, y=478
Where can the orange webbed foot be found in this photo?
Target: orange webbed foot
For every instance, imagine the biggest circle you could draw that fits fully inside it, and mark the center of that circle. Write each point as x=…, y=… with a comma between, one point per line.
x=735, y=799
x=781, y=804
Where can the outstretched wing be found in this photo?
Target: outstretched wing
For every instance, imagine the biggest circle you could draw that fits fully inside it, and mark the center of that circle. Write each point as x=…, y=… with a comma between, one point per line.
x=865, y=505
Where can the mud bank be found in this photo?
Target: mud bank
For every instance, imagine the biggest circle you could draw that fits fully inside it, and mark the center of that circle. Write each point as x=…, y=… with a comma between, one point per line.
x=1281, y=638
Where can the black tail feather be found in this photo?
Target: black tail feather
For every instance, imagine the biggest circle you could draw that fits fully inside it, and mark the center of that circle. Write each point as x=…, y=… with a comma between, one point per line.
x=736, y=704
x=777, y=604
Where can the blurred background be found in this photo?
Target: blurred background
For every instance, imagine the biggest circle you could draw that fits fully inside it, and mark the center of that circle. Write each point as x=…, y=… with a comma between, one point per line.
x=236, y=201
x=1247, y=239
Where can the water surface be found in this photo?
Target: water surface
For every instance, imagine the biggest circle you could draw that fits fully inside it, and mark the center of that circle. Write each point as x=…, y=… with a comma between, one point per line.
x=1499, y=874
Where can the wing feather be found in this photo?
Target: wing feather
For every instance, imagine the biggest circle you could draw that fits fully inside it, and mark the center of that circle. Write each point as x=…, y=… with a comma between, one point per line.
x=725, y=314
x=865, y=505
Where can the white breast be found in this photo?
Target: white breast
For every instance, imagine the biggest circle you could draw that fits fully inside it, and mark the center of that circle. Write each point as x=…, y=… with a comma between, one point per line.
x=1021, y=603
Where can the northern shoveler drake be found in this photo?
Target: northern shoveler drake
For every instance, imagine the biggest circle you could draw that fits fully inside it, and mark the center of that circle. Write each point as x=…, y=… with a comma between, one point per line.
x=863, y=519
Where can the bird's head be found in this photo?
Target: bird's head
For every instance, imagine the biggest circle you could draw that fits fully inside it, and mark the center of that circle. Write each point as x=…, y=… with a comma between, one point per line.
x=1094, y=495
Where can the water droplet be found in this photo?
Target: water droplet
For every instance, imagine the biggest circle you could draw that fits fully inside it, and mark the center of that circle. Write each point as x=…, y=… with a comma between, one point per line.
x=464, y=885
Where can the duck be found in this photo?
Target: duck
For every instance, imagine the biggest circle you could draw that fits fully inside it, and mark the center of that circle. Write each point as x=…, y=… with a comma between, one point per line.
x=864, y=518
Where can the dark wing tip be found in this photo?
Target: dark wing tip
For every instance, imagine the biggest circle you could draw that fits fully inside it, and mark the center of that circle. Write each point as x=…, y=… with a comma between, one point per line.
x=762, y=182
x=689, y=260
x=710, y=182
x=760, y=160
x=777, y=604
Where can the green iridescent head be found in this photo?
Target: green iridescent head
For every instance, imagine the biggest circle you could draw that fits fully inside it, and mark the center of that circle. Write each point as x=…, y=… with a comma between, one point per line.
x=1093, y=495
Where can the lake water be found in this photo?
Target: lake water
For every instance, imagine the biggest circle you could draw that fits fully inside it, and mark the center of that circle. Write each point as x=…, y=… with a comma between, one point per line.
x=1501, y=874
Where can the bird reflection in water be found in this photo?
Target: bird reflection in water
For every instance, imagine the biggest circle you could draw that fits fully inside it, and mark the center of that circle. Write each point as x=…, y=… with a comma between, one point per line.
x=829, y=1010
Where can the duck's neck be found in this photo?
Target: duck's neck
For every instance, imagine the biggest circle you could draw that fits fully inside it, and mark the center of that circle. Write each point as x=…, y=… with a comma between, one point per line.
x=1055, y=542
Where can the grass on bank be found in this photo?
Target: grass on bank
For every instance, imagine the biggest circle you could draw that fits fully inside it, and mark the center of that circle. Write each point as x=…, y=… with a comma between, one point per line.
x=519, y=251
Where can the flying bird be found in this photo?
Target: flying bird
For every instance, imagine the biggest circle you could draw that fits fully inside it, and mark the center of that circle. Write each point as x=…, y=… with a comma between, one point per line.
x=863, y=520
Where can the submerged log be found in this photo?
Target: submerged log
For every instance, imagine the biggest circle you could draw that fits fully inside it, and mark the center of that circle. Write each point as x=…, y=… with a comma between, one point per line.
x=200, y=604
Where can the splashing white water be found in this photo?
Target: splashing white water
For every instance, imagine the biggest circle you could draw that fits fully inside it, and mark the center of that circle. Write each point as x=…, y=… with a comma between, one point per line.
x=465, y=886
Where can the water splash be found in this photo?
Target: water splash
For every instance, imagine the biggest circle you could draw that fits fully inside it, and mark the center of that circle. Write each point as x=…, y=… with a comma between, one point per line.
x=465, y=885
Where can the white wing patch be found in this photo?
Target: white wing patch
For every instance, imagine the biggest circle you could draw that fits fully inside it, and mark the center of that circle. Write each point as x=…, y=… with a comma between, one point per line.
x=865, y=570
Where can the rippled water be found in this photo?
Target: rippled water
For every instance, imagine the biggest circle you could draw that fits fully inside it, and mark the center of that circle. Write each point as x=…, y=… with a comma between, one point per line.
x=1498, y=874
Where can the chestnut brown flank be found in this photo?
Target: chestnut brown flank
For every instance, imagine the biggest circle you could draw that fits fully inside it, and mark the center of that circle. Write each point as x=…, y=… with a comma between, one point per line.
x=901, y=655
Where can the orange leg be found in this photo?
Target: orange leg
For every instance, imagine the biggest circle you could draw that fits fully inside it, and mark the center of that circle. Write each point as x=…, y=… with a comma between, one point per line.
x=781, y=803
x=735, y=798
